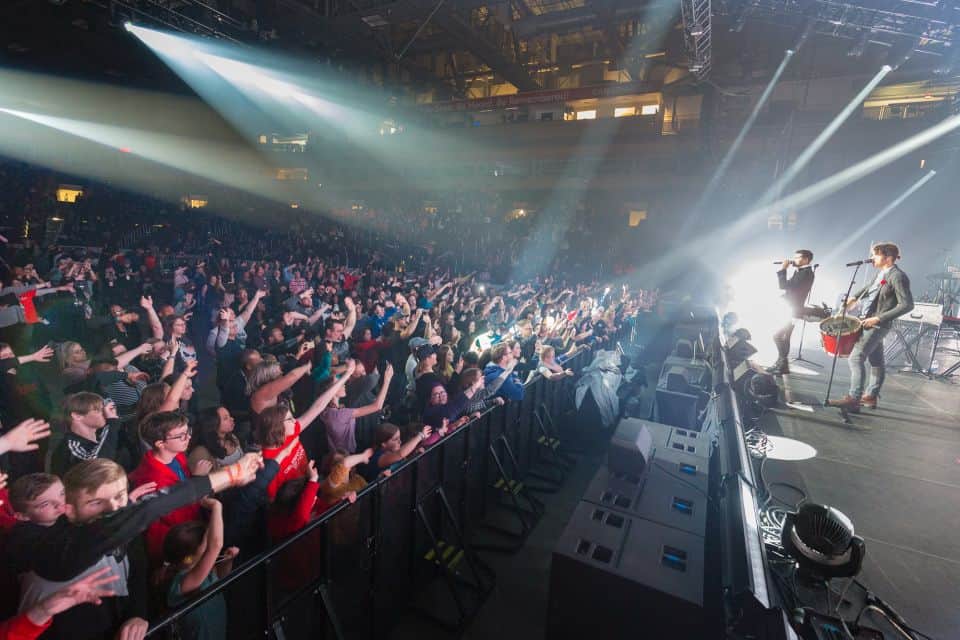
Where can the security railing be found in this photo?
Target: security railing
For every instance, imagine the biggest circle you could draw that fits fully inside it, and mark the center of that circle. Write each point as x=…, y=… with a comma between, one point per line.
x=356, y=569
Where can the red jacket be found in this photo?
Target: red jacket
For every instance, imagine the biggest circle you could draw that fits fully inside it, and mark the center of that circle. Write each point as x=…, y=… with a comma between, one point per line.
x=282, y=523
x=21, y=628
x=152, y=470
x=296, y=465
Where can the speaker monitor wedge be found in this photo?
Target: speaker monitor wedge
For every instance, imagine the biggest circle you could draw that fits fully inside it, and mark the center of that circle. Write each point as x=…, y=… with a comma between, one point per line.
x=615, y=576
x=661, y=496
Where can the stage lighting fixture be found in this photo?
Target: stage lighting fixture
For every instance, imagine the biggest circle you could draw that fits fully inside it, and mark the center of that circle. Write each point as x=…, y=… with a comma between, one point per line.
x=900, y=52
x=822, y=541
x=128, y=26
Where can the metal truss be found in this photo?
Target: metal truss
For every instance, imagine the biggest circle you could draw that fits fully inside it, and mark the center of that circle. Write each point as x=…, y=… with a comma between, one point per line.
x=697, y=35
x=930, y=24
x=187, y=16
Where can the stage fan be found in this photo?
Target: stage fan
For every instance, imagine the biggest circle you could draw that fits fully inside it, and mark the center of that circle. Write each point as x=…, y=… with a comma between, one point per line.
x=822, y=541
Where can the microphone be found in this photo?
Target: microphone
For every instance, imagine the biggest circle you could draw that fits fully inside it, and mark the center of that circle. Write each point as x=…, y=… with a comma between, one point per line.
x=857, y=263
x=779, y=262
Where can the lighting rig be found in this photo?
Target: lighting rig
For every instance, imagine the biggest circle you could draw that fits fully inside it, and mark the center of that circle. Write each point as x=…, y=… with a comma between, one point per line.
x=928, y=28
x=186, y=16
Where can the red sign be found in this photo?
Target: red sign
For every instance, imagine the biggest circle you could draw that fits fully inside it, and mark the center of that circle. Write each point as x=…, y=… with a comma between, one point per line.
x=539, y=97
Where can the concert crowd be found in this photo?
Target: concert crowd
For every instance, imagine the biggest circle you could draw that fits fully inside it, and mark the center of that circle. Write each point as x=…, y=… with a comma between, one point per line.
x=177, y=406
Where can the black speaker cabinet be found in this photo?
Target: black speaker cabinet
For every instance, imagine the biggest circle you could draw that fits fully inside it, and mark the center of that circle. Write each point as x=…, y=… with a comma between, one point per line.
x=615, y=577
x=662, y=497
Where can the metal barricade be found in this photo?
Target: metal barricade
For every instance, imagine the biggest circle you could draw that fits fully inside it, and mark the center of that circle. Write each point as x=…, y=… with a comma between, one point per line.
x=356, y=569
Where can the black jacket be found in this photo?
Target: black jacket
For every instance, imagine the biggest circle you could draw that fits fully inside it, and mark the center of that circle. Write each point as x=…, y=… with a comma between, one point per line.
x=796, y=288
x=65, y=550
x=111, y=444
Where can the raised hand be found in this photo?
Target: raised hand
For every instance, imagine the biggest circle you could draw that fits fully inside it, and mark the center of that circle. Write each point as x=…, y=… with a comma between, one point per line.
x=24, y=436
x=87, y=590
x=142, y=490
x=146, y=302
x=248, y=465
x=109, y=409
x=303, y=349
x=43, y=355
x=202, y=468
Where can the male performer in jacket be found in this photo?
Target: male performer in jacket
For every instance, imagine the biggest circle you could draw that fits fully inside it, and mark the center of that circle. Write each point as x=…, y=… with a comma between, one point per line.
x=885, y=299
x=795, y=290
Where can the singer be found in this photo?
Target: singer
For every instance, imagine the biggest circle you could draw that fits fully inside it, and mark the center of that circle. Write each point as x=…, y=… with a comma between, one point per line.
x=795, y=291
x=885, y=299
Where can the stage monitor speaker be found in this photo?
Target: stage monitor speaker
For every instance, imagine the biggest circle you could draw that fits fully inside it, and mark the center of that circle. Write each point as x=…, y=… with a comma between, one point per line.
x=616, y=577
x=692, y=468
x=661, y=497
x=630, y=448
x=689, y=441
x=677, y=409
x=695, y=373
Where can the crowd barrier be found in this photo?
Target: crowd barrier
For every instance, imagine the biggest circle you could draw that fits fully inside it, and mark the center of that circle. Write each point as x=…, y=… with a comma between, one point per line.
x=354, y=571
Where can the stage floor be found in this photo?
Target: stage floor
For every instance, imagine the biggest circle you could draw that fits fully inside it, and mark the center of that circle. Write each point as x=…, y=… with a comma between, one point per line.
x=895, y=471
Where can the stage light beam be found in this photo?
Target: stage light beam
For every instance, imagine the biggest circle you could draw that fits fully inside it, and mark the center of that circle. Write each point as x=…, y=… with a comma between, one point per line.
x=836, y=254
x=818, y=143
x=738, y=141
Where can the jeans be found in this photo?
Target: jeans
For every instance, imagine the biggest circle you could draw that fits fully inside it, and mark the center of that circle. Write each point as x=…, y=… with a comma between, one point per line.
x=869, y=348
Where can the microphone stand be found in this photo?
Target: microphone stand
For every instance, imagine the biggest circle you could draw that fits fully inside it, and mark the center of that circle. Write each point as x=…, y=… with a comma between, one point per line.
x=803, y=328
x=836, y=353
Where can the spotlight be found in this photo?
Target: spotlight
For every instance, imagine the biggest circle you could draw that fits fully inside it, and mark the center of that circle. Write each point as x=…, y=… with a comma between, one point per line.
x=128, y=26
x=821, y=540
x=900, y=52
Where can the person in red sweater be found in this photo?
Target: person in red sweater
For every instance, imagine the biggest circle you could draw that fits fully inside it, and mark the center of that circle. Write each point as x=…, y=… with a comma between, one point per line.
x=276, y=427
x=165, y=464
x=295, y=505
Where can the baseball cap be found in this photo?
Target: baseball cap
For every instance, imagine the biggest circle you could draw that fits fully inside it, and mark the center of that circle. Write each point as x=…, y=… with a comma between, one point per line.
x=416, y=343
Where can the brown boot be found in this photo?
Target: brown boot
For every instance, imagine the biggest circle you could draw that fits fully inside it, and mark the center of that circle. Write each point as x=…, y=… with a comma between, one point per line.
x=869, y=402
x=849, y=403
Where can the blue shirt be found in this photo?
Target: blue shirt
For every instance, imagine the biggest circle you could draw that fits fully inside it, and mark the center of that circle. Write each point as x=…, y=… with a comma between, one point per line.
x=176, y=467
